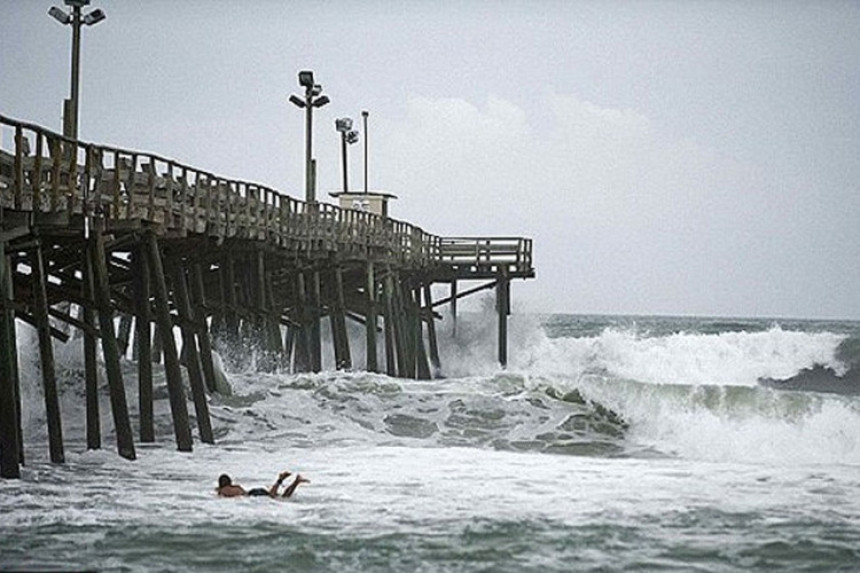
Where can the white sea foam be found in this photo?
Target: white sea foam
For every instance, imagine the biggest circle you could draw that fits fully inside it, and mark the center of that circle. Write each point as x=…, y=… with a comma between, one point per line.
x=728, y=358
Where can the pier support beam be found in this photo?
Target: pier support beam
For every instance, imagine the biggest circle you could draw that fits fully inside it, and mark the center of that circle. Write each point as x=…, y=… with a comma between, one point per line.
x=454, y=308
x=431, y=330
x=199, y=293
x=388, y=325
x=230, y=334
x=343, y=356
x=143, y=338
x=422, y=364
x=316, y=339
x=178, y=406
x=303, y=358
x=9, y=418
x=46, y=355
x=119, y=406
x=273, y=325
x=189, y=343
x=504, y=308
x=91, y=373
x=370, y=323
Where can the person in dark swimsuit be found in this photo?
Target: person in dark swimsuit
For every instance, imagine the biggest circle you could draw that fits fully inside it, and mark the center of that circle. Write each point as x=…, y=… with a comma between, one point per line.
x=226, y=487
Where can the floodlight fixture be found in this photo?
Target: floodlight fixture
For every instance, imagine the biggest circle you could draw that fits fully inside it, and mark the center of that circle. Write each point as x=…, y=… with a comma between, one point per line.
x=311, y=100
x=76, y=19
x=343, y=124
x=94, y=17
x=352, y=137
x=59, y=15
x=306, y=79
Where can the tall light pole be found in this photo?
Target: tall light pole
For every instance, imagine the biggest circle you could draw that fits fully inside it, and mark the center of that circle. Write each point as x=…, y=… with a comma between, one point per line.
x=347, y=136
x=311, y=100
x=364, y=115
x=76, y=19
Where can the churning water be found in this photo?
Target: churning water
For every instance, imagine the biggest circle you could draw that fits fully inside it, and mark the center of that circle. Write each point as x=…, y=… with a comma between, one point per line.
x=609, y=443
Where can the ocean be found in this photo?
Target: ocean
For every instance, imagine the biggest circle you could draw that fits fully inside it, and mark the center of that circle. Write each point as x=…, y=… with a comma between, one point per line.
x=609, y=443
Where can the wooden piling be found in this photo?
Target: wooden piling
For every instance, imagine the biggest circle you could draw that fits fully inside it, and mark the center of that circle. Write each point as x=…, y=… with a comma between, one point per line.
x=342, y=354
x=370, y=324
x=388, y=325
x=454, y=308
x=176, y=392
x=422, y=364
x=273, y=324
x=189, y=342
x=316, y=339
x=9, y=444
x=502, y=298
x=401, y=345
x=231, y=317
x=91, y=374
x=46, y=354
x=302, y=358
x=119, y=407
x=265, y=361
x=124, y=335
x=143, y=338
x=203, y=340
x=431, y=330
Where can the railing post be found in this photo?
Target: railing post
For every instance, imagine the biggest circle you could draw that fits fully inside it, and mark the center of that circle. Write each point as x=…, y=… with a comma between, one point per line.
x=19, y=166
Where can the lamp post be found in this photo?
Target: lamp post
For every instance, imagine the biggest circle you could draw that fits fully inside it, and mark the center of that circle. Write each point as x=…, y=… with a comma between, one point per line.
x=76, y=19
x=311, y=100
x=364, y=115
x=347, y=136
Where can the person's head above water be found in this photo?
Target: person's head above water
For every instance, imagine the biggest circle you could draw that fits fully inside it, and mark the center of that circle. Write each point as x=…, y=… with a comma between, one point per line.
x=224, y=480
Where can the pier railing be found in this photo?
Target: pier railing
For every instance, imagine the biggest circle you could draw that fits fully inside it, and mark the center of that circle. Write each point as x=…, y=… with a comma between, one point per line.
x=511, y=254
x=42, y=172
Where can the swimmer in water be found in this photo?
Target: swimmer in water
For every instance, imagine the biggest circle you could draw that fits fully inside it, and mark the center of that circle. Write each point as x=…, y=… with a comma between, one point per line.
x=226, y=487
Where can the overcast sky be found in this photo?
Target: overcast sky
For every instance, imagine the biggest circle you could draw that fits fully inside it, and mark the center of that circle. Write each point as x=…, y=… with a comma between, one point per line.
x=666, y=157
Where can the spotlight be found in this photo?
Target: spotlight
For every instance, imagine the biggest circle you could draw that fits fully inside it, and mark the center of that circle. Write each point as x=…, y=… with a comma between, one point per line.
x=343, y=124
x=306, y=79
x=59, y=15
x=94, y=17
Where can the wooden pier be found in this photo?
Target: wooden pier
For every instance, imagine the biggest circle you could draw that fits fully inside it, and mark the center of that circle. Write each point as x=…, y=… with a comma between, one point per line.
x=140, y=243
